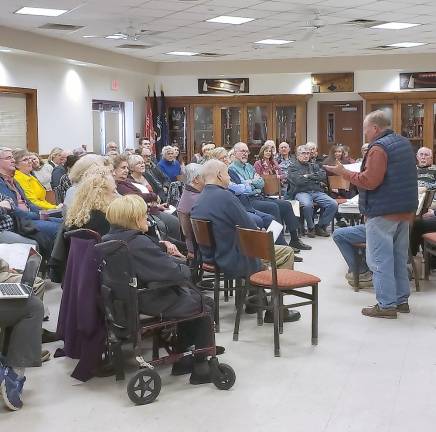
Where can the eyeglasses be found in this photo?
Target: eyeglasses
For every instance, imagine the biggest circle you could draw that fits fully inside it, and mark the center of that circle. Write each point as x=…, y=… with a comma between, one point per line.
x=25, y=160
x=7, y=158
x=244, y=151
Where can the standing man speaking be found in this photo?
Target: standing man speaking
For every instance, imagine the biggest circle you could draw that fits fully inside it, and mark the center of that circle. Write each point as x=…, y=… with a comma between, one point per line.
x=388, y=198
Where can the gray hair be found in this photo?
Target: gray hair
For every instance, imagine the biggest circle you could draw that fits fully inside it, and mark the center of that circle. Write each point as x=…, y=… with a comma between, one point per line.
x=378, y=118
x=166, y=150
x=83, y=164
x=5, y=149
x=238, y=145
x=301, y=148
x=134, y=159
x=311, y=145
x=192, y=171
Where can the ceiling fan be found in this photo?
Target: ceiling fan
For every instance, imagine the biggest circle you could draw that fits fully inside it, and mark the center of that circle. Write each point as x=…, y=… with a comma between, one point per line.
x=130, y=34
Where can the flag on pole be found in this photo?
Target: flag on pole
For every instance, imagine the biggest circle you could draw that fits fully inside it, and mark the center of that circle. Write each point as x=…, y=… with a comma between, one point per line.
x=161, y=124
x=148, y=124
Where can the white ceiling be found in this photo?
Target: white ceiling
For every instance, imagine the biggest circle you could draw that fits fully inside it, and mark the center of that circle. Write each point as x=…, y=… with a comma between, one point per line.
x=179, y=25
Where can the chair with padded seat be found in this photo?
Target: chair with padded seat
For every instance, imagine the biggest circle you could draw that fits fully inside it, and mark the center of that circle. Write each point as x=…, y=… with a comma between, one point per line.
x=281, y=282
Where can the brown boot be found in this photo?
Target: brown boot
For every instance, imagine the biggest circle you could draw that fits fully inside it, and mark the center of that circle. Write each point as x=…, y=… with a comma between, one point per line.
x=377, y=312
x=403, y=308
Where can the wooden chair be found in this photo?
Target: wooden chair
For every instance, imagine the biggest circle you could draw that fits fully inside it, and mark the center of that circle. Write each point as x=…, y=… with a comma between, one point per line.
x=204, y=237
x=193, y=253
x=359, y=256
x=281, y=282
x=338, y=182
x=50, y=196
x=272, y=186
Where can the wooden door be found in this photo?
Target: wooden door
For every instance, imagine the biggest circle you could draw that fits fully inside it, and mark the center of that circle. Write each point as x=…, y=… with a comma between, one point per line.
x=340, y=123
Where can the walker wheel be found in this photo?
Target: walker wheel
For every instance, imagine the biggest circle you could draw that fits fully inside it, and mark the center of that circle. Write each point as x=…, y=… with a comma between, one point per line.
x=223, y=376
x=144, y=387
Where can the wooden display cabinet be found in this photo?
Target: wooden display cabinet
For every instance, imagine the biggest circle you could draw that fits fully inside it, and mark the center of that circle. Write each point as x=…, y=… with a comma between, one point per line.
x=412, y=114
x=225, y=120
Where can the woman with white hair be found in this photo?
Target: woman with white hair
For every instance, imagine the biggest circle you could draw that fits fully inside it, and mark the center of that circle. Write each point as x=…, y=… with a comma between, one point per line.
x=168, y=163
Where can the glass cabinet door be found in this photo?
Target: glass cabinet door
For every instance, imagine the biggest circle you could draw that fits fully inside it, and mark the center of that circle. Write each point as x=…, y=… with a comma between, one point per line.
x=257, y=126
x=286, y=125
x=177, y=127
x=203, y=125
x=388, y=109
x=230, y=126
x=412, y=123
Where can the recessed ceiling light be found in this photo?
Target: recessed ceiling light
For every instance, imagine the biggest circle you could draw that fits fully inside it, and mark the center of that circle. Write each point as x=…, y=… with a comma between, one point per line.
x=274, y=41
x=182, y=53
x=394, y=26
x=90, y=36
x=407, y=44
x=40, y=11
x=5, y=50
x=230, y=20
x=116, y=36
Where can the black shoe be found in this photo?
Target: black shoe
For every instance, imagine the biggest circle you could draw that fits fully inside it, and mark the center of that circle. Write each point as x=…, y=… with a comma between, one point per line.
x=341, y=224
x=289, y=315
x=299, y=245
x=321, y=232
x=200, y=373
x=297, y=258
x=219, y=350
x=311, y=233
x=183, y=366
x=48, y=336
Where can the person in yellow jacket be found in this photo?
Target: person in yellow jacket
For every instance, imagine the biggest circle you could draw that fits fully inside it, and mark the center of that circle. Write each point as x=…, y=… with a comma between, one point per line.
x=31, y=186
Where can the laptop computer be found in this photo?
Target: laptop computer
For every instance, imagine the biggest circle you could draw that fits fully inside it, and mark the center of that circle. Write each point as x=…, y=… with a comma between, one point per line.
x=23, y=289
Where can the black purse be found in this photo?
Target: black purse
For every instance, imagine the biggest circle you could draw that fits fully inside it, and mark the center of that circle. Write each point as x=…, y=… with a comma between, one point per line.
x=24, y=227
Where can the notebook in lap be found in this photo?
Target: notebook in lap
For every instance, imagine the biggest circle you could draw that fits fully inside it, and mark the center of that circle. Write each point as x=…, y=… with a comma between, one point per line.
x=23, y=289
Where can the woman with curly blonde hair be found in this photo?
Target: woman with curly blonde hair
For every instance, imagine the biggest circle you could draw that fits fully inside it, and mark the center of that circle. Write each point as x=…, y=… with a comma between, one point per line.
x=94, y=194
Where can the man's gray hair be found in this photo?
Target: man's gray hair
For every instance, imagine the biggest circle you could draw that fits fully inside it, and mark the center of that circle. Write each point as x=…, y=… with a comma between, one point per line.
x=238, y=145
x=378, y=118
x=5, y=149
x=192, y=171
x=301, y=148
x=311, y=145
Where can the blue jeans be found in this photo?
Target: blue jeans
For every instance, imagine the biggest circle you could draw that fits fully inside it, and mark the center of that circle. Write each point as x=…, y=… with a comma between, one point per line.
x=328, y=205
x=387, y=244
x=344, y=239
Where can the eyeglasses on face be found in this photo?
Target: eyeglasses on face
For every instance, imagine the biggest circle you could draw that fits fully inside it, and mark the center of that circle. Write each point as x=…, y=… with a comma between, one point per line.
x=7, y=158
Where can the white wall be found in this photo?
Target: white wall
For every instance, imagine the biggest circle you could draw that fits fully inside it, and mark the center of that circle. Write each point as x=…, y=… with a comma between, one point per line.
x=65, y=93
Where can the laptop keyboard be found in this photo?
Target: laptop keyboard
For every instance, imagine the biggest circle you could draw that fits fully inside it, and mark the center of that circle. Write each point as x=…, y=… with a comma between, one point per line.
x=10, y=289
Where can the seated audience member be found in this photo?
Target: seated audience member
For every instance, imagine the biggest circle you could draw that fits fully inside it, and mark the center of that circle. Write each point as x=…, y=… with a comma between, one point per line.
x=284, y=160
x=218, y=205
x=266, y=164
x=126, y=186
x=344, y=239
x=79, y=151
x=194, y=184
x=314, y=157
x=261, y=219
x=24, y=349
x=337, y=154
x=54, y=159
x=65, y=182
x=347, y=158
x=155, y=177
x=420, y=227
x=7, y=234
x=168, y=165
x=112, y=148
x=33, y=189
x=363, y=151
x=426, y=169
x=203, y=155
x=76, y=173
x=128, y=151
x=41, y=174
x=59, y=170
x=23, y=210
x=146, y=144
x=242, y=172
x=91, y=200
x=173, y=299
x=306, y=181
